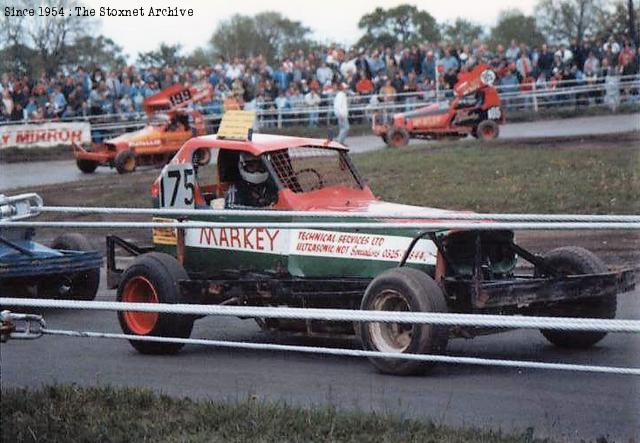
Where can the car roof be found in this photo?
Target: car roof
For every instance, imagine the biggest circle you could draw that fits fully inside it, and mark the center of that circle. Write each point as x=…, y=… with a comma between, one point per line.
x=261, y=143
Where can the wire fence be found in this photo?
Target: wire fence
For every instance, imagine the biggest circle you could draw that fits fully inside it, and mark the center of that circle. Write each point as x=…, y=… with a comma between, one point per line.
x=31, y=326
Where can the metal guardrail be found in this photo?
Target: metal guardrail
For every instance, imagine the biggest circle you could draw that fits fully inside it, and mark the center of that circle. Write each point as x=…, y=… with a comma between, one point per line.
x=563, y=93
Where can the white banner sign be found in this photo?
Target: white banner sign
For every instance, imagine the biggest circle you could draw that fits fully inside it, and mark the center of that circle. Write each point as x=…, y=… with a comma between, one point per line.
x=44, y=134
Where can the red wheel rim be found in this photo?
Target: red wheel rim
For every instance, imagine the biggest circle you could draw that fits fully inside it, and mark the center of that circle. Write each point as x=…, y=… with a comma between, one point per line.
x=397, y=139
x=140, y=290
x=130, y=164
x=487, y=132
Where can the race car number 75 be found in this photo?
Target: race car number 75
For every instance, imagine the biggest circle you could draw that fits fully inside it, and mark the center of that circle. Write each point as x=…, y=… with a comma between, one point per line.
x=177, y=186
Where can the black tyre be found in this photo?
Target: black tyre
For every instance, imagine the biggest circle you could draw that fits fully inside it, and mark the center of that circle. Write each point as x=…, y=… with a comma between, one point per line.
x=83, y=285
x=86, y=166
x=153, y=278
x=125, y=162
x=403, y=289
x=397, y=137
x=487, y=130
x=573, y=260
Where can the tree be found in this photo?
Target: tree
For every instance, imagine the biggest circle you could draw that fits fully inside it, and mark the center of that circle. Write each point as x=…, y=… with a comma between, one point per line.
x=405, y=23
x=164, y=55
x=97, y=51
x=199, y=56
x=462, y=31
x=618, y=18
x=514, y=25
x=267, y=33
x=51, y=37
x=566, y=20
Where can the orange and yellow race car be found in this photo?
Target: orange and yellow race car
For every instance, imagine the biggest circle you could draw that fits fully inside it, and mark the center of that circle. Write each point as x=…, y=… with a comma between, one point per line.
x=170, y=124
x=475, y=110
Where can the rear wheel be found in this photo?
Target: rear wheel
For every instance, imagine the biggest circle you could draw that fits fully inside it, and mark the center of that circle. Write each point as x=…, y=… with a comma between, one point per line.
x=397, y=137
x=573, y=260
x=153, y=278
x=82, y=285
x=403, y=290
x=487, y=130
x=125, y=162
x=86, y=166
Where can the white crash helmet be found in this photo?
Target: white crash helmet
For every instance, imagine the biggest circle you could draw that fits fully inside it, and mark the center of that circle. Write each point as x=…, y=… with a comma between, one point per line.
x=252, y=174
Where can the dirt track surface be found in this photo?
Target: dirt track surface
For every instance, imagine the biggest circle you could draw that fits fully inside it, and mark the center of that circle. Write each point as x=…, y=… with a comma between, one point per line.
x=16, y=175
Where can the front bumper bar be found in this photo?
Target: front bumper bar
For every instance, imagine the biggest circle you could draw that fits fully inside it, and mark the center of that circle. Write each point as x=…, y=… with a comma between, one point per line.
x=524, y=291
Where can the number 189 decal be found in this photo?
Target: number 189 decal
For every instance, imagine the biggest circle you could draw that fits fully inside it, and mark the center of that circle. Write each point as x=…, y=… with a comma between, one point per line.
x=177, y=186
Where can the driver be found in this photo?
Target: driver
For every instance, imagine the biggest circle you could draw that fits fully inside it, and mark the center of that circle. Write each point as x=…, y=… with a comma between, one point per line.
x=255, y=189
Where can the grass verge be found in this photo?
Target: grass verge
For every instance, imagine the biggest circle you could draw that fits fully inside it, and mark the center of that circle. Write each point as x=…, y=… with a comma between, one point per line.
x=598, y=174
x=594, y=175
x=74, y=414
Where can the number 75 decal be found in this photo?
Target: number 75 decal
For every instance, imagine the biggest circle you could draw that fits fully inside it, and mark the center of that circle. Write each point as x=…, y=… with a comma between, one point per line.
x=177, y=186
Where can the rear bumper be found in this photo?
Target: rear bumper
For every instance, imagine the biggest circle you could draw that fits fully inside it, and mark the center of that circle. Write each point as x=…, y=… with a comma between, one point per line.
x=98, y=153
x=70, y=262
x=524, y=292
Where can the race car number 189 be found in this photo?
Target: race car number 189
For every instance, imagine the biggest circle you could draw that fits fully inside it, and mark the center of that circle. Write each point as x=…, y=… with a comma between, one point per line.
x=177, y=186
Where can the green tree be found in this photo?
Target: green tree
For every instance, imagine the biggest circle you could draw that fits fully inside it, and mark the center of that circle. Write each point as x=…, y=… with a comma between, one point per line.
x=164, y=55
x=462, y=31
x=405, y=23
x=42, y=42
x=199, y=56
x=566, y=20
x=619, y=17
x=267, y=33
x=514, y=25
x=91, y=51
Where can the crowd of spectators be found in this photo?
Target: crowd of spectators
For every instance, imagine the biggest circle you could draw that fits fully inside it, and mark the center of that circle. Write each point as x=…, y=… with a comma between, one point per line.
x=304, y=79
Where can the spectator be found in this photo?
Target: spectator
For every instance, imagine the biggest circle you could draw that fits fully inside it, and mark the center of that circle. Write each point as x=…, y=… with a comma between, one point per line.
x=341, y=111
x=513, y=52
x=312, y=102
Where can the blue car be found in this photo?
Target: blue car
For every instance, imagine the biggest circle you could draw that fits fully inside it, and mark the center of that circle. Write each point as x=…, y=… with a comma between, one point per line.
x=68, y=269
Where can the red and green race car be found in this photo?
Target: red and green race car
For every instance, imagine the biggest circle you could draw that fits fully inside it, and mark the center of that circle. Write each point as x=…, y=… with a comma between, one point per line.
x=404, y=269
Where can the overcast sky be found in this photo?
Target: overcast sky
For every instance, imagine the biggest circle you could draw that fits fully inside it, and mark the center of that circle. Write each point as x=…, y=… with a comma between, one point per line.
x=329, y=20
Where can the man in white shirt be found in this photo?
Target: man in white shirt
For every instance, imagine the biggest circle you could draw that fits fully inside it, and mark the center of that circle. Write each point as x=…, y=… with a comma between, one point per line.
x=341, y=111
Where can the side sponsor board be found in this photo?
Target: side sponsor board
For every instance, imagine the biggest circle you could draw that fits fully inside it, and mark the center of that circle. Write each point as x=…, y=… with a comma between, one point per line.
x=313, y=243
x=44, y=134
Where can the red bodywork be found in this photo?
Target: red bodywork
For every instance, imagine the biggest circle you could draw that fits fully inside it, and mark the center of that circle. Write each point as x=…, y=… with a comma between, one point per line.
x=329, y=198
x=475, y=101
x=171, y=124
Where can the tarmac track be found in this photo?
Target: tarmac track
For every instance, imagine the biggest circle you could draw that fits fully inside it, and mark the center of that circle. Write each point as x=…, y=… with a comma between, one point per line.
x=564, y=405
x=16, y=175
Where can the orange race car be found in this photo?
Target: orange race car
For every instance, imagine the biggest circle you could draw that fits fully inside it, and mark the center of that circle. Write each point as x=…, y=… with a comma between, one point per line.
x=475, y=110
x=170, y=124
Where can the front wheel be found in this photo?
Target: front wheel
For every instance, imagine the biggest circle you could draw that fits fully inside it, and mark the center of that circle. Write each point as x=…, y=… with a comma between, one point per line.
x=153, y=278
x=573, y=260
x=397, y=137
x=86, y=166
x=487, y=130
x=403, y=290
